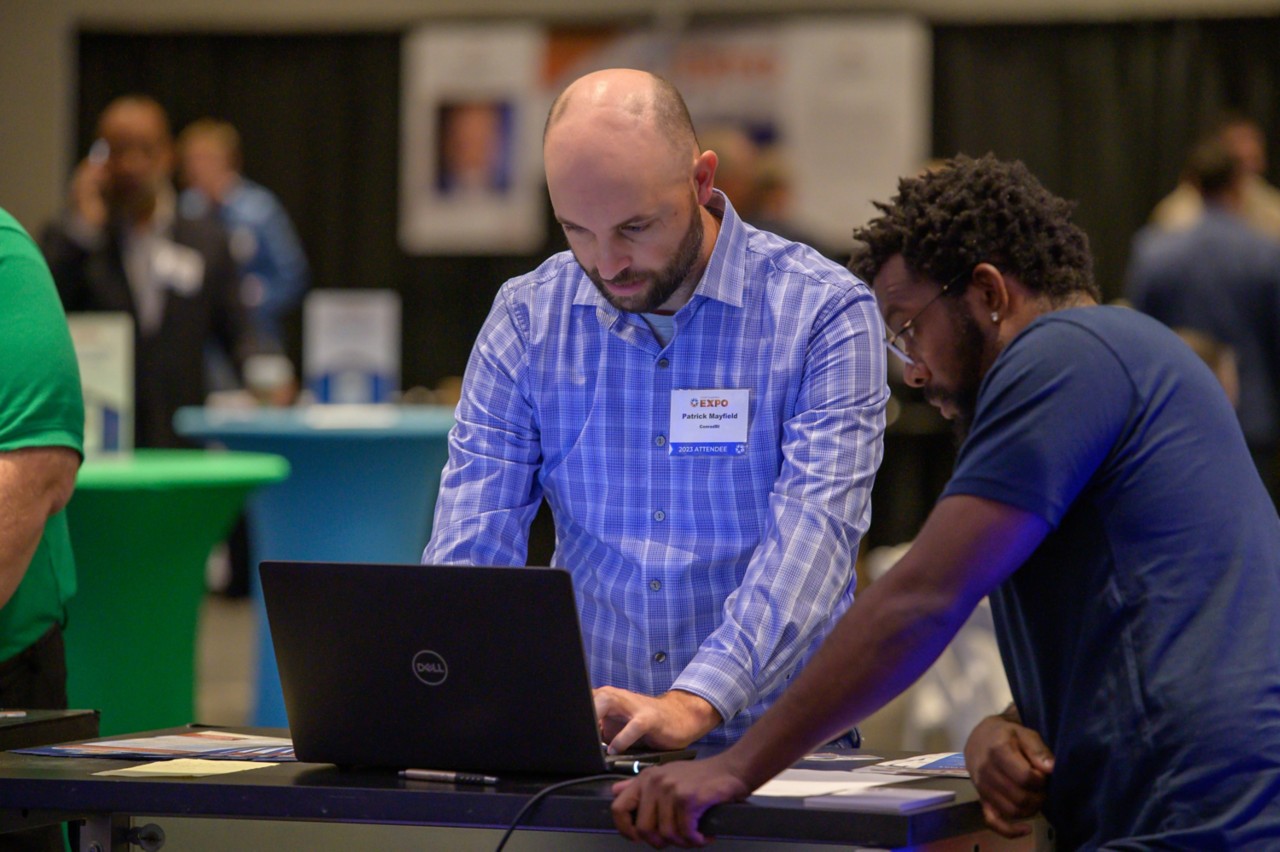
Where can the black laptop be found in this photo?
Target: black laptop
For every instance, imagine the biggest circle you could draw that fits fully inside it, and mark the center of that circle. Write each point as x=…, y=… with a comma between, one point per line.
x=438, y=667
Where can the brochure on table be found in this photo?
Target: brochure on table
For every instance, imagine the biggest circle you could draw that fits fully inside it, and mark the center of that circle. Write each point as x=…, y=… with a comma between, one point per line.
x=204, y=744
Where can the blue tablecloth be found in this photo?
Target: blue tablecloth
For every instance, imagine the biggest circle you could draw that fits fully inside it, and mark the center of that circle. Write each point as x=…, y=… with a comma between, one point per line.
x=362, y=489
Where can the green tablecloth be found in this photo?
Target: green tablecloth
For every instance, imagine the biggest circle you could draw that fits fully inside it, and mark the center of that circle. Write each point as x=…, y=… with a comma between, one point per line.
x=142, y=527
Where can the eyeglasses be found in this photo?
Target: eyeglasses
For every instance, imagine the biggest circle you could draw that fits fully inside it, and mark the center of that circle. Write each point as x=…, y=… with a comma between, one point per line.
x=900, y=341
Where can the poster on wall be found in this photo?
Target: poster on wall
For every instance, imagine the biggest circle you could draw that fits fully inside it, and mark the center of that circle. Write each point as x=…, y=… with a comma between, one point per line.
x=855, y=101
x=471, y=118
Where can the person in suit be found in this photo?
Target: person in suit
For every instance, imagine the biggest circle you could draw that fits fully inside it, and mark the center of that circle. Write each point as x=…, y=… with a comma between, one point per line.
x=123, y=245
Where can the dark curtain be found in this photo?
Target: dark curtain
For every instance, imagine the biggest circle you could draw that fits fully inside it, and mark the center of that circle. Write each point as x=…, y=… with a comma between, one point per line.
x=1102, y=113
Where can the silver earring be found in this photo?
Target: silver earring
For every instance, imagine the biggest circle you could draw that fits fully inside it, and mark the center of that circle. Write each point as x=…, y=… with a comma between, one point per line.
x=995, y=317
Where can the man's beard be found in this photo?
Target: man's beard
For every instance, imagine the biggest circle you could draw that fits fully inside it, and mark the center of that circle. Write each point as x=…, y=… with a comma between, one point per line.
x=665, y=281
x=971, y=364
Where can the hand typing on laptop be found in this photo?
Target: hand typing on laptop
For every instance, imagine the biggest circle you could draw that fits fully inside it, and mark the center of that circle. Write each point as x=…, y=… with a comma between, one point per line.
x=669, y=721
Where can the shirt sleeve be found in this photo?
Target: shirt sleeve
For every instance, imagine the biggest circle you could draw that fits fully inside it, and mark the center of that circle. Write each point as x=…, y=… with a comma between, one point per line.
x=489, y=490
x=284, y=257
x=39, y=377
x=1045, y=422
x=800, y=578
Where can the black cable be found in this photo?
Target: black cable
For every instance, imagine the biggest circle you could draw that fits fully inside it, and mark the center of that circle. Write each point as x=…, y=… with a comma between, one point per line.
x=542, y=794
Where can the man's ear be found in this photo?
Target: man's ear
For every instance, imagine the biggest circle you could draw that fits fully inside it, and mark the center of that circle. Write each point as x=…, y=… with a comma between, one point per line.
x=704, y=175
x=991, y=288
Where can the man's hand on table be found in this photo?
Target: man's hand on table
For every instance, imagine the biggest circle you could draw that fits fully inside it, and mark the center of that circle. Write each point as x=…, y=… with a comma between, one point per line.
x=662, y=805
x=671, y=720
x=1010, y=766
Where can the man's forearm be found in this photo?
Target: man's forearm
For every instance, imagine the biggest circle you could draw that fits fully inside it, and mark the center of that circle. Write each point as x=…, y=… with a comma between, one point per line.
x=894, y=631
x=879, y=648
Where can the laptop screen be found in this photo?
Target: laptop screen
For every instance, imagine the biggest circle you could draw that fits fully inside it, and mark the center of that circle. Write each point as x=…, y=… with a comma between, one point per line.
x=447, y=667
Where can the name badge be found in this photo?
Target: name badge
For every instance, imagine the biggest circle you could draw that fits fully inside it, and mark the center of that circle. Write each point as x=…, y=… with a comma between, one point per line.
x=709, y=422
x=178, y=268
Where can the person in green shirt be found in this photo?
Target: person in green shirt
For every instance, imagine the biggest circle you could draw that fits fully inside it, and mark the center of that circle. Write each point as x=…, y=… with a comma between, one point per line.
x=41, y=446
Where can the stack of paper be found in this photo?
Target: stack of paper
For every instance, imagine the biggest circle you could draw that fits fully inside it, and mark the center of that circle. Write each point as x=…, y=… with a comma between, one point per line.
x=894, y=800
x=858, y=789
x=204, y=744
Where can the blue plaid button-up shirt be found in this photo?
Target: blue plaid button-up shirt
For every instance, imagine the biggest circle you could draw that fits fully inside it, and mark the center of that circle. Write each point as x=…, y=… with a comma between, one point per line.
x=714, y=575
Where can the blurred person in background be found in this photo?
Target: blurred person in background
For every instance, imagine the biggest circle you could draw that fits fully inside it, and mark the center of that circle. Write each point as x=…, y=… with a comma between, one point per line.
x=1221, y=277
x=122, y=244
x=263, y=241
x=757, y=180
x=1259, y=202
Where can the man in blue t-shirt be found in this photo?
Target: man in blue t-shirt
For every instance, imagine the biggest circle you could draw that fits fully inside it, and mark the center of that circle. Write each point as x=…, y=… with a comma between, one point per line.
x=1105, y=498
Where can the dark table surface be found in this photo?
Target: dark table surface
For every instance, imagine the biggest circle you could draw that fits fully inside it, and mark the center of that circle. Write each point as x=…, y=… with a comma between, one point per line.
x=322, y=792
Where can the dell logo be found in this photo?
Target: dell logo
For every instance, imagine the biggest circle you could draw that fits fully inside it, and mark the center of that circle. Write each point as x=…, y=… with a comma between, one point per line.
x=430, y=668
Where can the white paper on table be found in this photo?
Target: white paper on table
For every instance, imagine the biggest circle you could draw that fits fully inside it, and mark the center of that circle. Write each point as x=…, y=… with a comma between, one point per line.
x=802, y=783
x=890, y=799
x=186, y=767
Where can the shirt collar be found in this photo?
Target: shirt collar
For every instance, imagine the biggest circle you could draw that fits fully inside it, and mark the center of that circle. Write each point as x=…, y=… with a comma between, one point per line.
x=721, y=280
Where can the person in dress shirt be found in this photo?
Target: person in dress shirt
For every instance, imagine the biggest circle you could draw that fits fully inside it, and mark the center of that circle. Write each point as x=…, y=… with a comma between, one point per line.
x=702, y=405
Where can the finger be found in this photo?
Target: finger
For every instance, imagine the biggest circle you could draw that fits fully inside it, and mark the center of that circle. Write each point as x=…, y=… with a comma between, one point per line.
x=1035, y=750
x=1011, y=797
x=623, y=809
x=603, y=700
x=1012, y=776
x=1002, y=826
x=646, y=815
x=608, y=730
x=611, y=713
x=668, y=830
x=686, y=818
x=1013, y=805
x=1000, y=802
x=1014, y=764
x=627, y=737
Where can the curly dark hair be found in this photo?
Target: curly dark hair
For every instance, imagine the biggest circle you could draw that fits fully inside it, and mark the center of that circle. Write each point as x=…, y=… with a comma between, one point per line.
x=969, y=211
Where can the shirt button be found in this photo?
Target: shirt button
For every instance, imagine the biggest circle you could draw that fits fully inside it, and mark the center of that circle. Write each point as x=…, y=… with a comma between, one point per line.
x=661, y=440
x=660, y=657
x=664, y=363
x=655, y=585
x=659, y=515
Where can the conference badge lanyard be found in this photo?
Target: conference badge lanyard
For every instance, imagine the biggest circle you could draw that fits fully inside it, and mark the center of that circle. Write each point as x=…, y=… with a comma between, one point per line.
x=709, y=422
